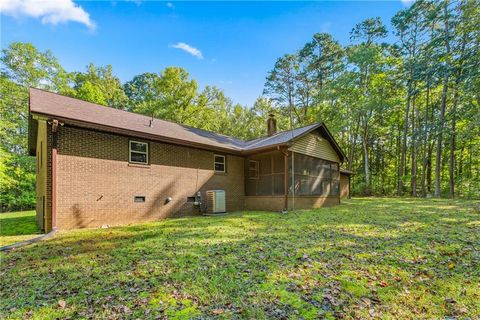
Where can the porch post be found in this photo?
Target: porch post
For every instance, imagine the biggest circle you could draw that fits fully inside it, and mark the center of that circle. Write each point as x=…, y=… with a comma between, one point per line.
x=285, y=180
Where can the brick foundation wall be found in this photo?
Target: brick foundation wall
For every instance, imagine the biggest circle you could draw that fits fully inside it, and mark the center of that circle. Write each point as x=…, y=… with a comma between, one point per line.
x=96, y=184
x=344, y=186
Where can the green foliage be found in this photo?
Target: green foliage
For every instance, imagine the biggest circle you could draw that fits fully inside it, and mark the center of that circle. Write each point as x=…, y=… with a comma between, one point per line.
x=26, y=66
x=100, y=85
x=388, y=258
x=14, y=116
x=22, y=66
x=17, y=176
x=90, y=92
x=17, y=227
x=383, y=102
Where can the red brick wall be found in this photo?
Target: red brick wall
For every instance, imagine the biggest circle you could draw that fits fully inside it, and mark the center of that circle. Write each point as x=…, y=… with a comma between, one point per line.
x=344, y=186
x=96, y=185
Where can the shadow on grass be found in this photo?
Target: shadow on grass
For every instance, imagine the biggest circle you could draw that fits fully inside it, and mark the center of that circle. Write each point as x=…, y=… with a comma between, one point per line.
x=266, y=264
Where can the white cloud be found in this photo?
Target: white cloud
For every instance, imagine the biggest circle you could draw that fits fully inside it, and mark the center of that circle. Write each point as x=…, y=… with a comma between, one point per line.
x=49, y=11
x=170, y=5
x=325, y=27
x=189, y=49
x=407, y=3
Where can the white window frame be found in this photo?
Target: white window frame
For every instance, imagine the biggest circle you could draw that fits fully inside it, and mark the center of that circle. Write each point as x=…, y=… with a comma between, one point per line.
x=224, y=163
x=130, y=151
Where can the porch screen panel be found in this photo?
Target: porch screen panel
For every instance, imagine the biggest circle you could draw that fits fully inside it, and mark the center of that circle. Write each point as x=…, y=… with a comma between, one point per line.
x=270, y=180
x=314, y=177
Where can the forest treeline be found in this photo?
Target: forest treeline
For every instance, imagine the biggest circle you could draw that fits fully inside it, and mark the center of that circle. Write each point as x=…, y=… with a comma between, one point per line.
x=407, y=113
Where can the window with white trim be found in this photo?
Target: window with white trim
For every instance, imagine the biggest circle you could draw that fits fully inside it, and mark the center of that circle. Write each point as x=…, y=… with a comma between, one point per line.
x=138, y=152
x=219, y=163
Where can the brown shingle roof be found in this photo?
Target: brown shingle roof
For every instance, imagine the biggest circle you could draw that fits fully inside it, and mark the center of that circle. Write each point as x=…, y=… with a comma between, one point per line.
x=86, y=114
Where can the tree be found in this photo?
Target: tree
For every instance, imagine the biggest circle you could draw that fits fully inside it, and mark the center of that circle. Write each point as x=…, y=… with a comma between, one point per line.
x=28, y=67
x=169, y=95
x=100, y=85
x=408, y=26
x=323, y=58
x=281, y=85
x=367, y=59
x=445, y=35
x=142, y=89
x=23, y=66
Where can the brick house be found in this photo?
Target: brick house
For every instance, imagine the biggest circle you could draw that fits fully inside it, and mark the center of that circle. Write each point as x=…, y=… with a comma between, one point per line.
x=102, y=166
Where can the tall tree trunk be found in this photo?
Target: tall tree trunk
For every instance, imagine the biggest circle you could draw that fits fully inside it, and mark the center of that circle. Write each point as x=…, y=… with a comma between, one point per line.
x=401, y=167
x=352, y=145
x=451, y=167
x=429, y=167
x=438, y=157
x=441, y=123
x=366, y=166
x=460, y=164
x=414, y=152
x=425, y=139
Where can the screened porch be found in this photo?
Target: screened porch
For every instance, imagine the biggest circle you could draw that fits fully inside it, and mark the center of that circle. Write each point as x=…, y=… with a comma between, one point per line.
x=312, y=177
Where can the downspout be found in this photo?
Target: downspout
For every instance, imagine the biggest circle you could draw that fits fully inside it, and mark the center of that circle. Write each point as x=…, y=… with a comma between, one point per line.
x=54, y=124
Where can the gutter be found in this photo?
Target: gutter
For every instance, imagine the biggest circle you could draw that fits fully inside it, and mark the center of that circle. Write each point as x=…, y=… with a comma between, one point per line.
x=143, y=135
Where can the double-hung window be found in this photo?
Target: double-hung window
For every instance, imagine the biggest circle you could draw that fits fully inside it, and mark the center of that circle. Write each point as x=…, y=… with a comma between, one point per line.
x=138, y=152
x=219, y=163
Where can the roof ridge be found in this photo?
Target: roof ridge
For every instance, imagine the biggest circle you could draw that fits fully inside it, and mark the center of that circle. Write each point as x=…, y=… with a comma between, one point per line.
x=281, y=132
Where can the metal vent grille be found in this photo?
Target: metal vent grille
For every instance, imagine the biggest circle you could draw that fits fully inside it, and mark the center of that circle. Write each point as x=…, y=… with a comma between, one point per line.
x=216, y=201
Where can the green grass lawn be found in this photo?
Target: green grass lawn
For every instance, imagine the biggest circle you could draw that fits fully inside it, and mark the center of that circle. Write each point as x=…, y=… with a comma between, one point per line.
x=17, y=226
x=367, y=258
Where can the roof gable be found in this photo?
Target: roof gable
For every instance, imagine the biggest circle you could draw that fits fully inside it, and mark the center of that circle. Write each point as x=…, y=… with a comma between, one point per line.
x=315, y=145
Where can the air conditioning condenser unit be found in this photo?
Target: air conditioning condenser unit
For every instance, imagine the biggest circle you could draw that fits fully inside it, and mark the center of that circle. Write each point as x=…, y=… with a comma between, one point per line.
x=216, y=202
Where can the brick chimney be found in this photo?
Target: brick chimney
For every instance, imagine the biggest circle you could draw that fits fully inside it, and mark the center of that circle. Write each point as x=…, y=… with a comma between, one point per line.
x=271, y=124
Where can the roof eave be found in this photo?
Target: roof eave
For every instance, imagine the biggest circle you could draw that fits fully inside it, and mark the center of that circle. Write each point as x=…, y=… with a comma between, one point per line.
x=132, y=133
x=246, y=152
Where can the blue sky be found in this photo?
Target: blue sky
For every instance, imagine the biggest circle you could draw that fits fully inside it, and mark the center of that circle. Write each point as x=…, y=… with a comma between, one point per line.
x=237, y=43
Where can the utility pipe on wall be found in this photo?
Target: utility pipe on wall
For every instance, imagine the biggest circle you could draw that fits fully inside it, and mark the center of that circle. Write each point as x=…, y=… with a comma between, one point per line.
x=55, y=125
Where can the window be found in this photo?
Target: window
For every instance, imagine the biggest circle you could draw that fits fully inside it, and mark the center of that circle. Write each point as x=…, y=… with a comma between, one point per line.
x=219, y=163
x=139, y=199
x=138, y=152
x=253, y=169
